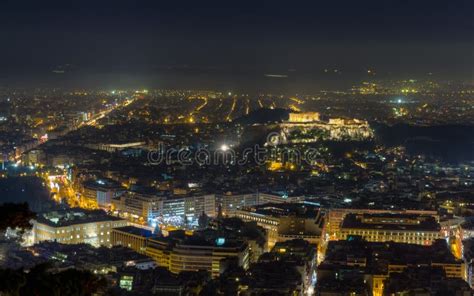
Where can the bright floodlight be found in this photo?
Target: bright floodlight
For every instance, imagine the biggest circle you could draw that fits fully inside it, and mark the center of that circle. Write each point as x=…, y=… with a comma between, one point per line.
x=224, y=147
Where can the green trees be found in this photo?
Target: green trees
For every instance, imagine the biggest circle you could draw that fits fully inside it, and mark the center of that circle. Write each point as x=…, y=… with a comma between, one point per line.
x=41, y=280
x=15, y=215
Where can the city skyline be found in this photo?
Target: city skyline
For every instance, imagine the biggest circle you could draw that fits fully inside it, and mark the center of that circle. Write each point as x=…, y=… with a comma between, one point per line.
x=206, y=148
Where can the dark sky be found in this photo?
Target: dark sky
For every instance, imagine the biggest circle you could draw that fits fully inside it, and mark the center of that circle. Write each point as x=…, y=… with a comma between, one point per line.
x=225, y=43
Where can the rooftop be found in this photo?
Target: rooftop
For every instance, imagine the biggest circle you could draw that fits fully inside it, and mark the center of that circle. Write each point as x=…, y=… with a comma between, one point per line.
x=102, y=183
x=135, y=231
x=286, y=209
x=375, y=253
x=389, y=221
x=198, y=240
x=74, y=216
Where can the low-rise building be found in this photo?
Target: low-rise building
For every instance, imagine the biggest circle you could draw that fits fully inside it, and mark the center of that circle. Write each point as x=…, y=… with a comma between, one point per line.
x=371, y=263
x=335, y=217
x=403, y=228
x=468, y=257
x=274, y=278
x=300, y=254
x=424, y=280
x=99, y=193
x=131, y=237
x=231, y=202
x=75, y=226
x=136, y=205
x=179, y=252
x=286, y=221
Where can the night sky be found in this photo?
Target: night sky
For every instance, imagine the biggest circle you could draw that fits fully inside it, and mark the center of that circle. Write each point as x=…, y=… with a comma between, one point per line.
x=232, y=45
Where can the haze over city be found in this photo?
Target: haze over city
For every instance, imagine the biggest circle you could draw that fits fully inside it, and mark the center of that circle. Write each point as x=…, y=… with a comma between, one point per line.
x=233, y=45
x=237, y=148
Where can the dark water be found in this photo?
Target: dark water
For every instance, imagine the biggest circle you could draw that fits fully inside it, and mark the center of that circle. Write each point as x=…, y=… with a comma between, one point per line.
x=25, y=189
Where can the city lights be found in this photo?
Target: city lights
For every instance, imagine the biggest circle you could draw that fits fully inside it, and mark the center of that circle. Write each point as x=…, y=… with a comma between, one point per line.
x=313, y=148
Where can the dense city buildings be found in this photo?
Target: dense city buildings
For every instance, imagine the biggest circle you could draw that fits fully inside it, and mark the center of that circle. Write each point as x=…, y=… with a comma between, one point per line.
x=468, y=257
x=286, y=221
x=357, y=265
x=307, y=201
x=299, y=253
x=265, y=220
x=248, y=149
